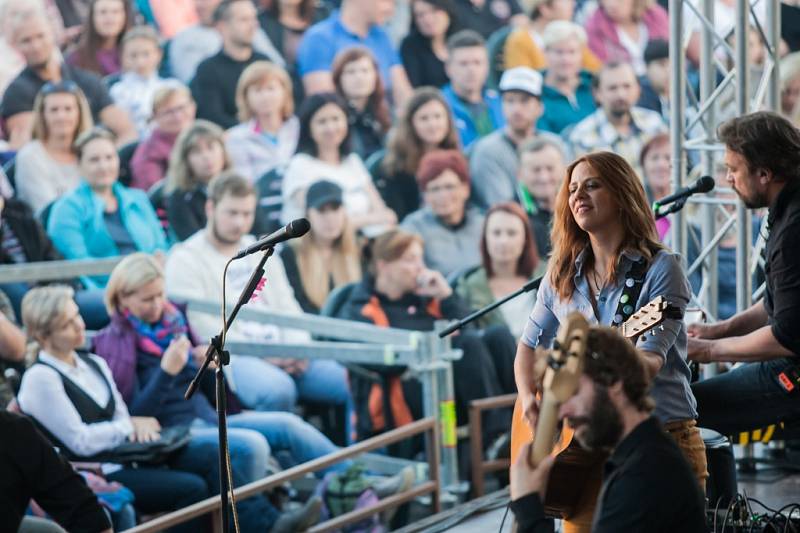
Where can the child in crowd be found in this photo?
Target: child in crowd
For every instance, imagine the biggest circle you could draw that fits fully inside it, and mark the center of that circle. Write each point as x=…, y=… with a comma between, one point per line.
x=141, y=55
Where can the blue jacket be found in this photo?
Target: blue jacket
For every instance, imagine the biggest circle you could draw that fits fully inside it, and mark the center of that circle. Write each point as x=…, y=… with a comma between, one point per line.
x=463, y=118
x=77, y=228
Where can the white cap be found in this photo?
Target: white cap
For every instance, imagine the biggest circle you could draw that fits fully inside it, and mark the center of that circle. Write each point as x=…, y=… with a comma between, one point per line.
x=522, y=79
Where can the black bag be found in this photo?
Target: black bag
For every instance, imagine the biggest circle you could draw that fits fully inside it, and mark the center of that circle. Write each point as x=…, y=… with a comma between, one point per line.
x=156, y=452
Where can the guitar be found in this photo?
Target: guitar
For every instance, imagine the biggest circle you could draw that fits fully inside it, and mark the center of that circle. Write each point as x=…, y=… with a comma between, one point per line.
x=560, y=382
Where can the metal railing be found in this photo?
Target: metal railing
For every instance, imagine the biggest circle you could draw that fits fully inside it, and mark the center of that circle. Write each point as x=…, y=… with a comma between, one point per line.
x=430, y=486
x=424, y=353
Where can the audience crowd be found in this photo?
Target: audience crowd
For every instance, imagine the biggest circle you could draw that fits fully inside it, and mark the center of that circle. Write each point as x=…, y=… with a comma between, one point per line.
x=427, y=155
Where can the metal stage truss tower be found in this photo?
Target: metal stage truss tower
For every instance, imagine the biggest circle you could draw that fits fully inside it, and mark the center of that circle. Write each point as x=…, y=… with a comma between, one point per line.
x=723, y=68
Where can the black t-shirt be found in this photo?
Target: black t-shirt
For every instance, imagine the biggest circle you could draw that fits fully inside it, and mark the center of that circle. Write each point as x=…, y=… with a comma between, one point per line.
x=783, y=267
x=21, y=92
x=31, y=468
x=421, y=64
x=790, y=26
x=486, y=20
x=214, y=87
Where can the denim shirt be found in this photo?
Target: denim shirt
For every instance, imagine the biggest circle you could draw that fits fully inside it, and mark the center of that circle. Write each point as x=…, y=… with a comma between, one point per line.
x=665, y=277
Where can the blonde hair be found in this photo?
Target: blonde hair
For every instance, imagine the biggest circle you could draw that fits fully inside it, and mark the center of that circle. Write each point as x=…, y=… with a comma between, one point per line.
x=141, y=32
x=85, y=122
x=344, y=266
x=180, y=176
x=256, y=74
x=131, y=274
x=167, y=92
x=41, y=308
x=559, y=31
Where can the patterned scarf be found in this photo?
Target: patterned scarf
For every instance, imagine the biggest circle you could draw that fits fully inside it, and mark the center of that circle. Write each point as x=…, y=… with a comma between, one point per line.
x=155, y=338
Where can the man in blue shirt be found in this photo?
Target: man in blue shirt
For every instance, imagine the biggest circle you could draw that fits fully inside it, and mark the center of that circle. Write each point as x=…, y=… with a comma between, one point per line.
x=477, y=111
x=357, y=23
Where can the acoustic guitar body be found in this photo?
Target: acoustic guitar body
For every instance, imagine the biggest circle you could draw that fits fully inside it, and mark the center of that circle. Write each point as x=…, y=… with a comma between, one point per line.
x=573, y=466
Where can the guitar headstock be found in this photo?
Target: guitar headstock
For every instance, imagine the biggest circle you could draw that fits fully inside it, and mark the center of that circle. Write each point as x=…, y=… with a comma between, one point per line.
x=649, y=316
x=565, y=362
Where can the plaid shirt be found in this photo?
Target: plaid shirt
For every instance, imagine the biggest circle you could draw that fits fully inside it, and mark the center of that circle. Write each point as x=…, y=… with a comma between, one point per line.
x=595, y=133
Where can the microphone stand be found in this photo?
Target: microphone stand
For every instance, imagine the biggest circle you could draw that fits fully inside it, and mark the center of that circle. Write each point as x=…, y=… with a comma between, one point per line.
x=674, y=207
x=458, y=324
x=216, y=352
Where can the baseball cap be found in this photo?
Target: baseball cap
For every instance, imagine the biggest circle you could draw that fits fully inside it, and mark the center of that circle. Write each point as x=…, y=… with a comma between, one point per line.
x=322, y=193
x=522, y=79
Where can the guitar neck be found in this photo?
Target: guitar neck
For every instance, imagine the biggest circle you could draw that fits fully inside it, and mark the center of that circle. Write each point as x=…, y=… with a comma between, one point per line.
x=545, y=429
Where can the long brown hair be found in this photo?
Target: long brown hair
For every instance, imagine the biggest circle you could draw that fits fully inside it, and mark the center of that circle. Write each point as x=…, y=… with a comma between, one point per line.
x=315, y=270
x=405, y=149
x=529, y=259
x=90, y=41
x=377, y=100
x=635, y=216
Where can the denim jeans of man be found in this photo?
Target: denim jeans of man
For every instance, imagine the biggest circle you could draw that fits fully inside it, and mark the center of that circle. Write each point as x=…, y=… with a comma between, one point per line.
x=263, y=386
x=746, y=398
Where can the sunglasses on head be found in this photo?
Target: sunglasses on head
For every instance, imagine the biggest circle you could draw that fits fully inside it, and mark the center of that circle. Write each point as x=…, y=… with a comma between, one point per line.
x=63, y=86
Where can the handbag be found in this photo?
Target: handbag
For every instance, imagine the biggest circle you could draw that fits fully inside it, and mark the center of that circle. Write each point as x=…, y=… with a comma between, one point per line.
x=172, y=439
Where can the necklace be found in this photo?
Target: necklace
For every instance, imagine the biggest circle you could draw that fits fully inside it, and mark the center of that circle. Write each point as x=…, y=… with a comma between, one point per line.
x=597, y=287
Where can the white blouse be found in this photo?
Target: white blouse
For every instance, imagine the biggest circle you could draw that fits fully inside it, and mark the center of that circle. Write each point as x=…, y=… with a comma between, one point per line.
x=43, y=397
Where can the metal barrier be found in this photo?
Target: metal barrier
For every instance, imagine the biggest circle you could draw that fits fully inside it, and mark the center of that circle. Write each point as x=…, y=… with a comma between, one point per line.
x=424, y=353
x=431, y=486
x=57, y=270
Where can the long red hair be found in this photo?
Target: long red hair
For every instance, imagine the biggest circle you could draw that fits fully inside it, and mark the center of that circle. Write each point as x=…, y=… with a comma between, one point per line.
x=529, y=259
x=569, y=240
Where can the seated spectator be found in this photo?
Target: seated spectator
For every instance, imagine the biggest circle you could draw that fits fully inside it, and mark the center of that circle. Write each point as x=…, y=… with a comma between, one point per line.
x=494, y=159
x=214, y=83
x=102, y=218
x=656, y=164
x=358, y=83
x=508, y=261
x=358, y=22
x=199, y=155
x=488, y=17
x=328, y=257
x=169, y=16
x=47, y=167
x=724, y=23
x=477, y=110
x=525, y=45
x=267, y=136
x=11, y=61
x=198, y=42
x=32, y=35
x=449, y=227
x=655, y=82
x=173, y=111
x=620, y=29
x=542, y=166
x=98, y=49
x=618, y=125
x=134, y=92
x=230, y=211
x=401, y=292
x=24, y=240
x=790, y=87
x=13, y=360
x=33, y=469
x=424, y=49
x=71, y=396
x=323, y=152
x=567, y=94
x=284, y=22
x=425, y=124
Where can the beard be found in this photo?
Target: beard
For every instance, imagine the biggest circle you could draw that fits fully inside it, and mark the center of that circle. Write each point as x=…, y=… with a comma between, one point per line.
x=602, y=428
x=224, y=239
x=619, y=110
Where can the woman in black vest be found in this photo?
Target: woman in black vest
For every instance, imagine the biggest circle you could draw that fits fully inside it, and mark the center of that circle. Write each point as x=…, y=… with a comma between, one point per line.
x=72, y=397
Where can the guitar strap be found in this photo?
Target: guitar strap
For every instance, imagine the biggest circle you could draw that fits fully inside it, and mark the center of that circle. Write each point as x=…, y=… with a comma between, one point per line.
x=634, y=280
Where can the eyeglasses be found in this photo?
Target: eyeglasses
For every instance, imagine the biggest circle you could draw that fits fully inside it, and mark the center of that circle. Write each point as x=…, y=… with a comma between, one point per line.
x=63, y=86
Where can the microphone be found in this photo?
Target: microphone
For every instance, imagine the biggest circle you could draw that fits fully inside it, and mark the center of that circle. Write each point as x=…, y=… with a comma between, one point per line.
x=704, y=184
x=292, y=230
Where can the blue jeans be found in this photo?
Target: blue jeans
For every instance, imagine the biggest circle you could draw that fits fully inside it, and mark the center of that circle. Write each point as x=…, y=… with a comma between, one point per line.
x=746, y=398
x=249, y=452
x=265, y=387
